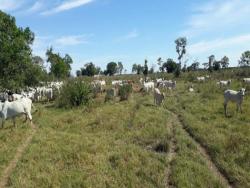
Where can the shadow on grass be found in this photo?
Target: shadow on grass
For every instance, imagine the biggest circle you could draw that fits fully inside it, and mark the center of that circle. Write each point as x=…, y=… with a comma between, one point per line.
x=149, y=105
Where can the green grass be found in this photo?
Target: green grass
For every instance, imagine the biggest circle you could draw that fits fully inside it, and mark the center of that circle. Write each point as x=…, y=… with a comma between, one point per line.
x=226, y=139
x=114, y=144
x=104, y=147
x=10, y=139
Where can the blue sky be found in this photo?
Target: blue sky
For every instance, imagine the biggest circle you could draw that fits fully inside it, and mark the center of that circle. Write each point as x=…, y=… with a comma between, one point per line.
x=133, y=30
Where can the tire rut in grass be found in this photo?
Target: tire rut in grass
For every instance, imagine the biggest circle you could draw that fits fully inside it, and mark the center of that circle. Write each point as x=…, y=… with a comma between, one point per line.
x=12, y=164
x=203, y=151
x=170, y=156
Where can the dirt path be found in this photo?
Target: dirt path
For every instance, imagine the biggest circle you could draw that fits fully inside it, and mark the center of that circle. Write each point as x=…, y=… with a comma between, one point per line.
x=170, y=156
x=223, y=179
x=12, y=164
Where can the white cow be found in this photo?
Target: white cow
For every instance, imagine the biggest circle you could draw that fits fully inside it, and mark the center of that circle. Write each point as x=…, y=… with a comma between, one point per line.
x=201, y=79
x=100, y=82
x=158, y=80
x=141, y=81
x=15, y=108
x=158, y=97
x=17, y=96
x=49, y=94
x=191, y=89
x=224, y=83
x=148, y=86
x=246, y=80
x=3, y=96
x=116, y=82
x=167, y=84
x=234, y=96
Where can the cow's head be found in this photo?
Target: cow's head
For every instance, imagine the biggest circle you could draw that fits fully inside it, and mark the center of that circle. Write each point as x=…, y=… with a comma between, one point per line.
x=242, y=91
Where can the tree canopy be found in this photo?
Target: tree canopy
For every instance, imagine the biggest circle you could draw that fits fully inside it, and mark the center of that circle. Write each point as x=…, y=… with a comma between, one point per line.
x=137, y=68
x=111, y=68
x=59, y=66
x=170, y=65
x=119, y=67
x=181, y=43
x=145, y=68
x=15, y=53
x=225, y=62
x=194, y=66
x=245, y=59
x=89, y=70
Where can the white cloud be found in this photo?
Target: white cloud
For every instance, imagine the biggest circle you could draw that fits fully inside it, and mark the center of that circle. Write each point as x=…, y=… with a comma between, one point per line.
x=71, y=40
x=67, y=5
x=216, y=15
x=10, y=5
x=42, y=43
x=219, y=44
x=131, y=35
x=35, y=7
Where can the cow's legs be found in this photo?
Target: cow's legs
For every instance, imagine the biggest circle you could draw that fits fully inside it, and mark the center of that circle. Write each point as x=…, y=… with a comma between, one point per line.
x=26, y=118
x=30, y=117
x=225, y=108
x=14, y=122
x=240, y=107
x=2, y=123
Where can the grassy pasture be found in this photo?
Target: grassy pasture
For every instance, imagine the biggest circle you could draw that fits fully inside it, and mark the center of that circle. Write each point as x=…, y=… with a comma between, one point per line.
x=226, y=139
x=126, y=144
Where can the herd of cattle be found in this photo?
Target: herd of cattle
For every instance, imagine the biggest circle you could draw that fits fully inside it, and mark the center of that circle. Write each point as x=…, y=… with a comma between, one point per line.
x=14, y=104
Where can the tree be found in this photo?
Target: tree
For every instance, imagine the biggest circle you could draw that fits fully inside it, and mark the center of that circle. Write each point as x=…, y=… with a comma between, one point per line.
x=145, y=69
x=134, y=68
x=111, y=68
x=151, y=70
x=225, y=62
x=216, y=65
x=35, y=74
x=181, y=47
x=206, y=65
x=159, y=62
x=15, y=52
x=194, y=66
x=170, y=65
x=119, y=67
x=60, y=67
x=211, y=60
x=78, y=73
x=137, y=68
x=245, y=59
x=90, y=70
x=38, y=61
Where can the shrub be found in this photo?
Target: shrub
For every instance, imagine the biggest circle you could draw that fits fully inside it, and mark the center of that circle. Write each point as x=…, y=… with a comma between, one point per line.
x=191, y=77
x=125, y=91
x=74, y=93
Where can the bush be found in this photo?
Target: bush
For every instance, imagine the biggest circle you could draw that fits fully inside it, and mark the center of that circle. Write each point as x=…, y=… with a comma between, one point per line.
x=125, y=91
x=74, y=93
x=177, y=71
